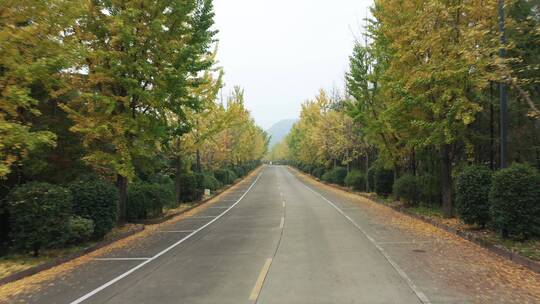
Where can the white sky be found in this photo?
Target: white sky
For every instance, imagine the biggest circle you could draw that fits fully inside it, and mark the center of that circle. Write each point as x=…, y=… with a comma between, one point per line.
x=283, y=51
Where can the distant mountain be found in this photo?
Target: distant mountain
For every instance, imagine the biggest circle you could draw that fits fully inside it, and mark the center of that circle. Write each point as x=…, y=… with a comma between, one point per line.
x=280, y=130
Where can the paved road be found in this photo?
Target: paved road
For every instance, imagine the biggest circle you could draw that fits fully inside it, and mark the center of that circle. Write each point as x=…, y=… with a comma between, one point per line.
x=274, y=239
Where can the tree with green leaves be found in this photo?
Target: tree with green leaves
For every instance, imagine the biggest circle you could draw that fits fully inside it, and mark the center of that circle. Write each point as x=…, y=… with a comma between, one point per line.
x=37, y=46
x=141, y=60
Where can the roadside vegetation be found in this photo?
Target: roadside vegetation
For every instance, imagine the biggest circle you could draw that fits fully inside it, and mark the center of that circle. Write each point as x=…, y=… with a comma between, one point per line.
x=109, y=114
x=420, y=119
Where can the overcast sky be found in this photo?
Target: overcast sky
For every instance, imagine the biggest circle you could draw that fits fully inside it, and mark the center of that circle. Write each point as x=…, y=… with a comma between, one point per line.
x=283, y=51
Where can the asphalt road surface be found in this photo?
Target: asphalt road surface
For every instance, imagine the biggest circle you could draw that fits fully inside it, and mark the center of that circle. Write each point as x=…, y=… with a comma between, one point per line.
x=273, y=239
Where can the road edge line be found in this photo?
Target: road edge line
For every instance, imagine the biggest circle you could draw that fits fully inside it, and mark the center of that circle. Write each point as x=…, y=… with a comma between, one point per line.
x=421, y=296
x=132, y=270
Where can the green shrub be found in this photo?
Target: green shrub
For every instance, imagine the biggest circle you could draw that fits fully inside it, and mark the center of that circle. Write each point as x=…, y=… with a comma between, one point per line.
x=147, y=200
x=79, y=230
x=239, y=171
x=430, y=189
x=515, y=201
x=95, y=199
x=406, y=189
x=371, y=178
x=318, y=172
x=472, y=195
x=225, y=176
x=335, y=176
x=39, y=215
x=384, y=181
x=189, y=190
x=207, y=181
x=356, y=180
x=327, y=176
x=4, y=226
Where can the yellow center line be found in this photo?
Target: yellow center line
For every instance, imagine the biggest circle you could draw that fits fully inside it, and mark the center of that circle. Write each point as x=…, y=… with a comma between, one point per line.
x=260, y=280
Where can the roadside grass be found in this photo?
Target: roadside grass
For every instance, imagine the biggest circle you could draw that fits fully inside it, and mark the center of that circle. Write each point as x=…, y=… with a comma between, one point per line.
x=15, y=262
x=529, y=248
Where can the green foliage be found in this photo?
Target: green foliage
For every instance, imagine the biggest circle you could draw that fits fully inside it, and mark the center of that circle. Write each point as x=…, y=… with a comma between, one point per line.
x=384, y=180
x=406, y=189
x=356, y=180
x=225, y=176
x=335, y=176
x=207, y=181
x=239, y=171
x=430, y=189
x=97, y=200
x=472, y=195
x=318, y=172
x=39, y=215
x=79, y=230
x=371, y=178
x=189, y=190
x=515, y=201
x=146, y=200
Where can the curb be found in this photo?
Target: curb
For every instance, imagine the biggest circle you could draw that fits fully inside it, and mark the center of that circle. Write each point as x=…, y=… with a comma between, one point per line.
x=48, y=265
x=141, y=224
x=494, y=248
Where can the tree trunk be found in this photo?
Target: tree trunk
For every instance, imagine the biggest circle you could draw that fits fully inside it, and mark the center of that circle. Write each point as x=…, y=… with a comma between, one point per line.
x=177, y=181
x=122, y=184
x=446, y=181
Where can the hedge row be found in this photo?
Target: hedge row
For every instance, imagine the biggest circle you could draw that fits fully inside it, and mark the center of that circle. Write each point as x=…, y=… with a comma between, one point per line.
x=508, y=200
x=41, y=215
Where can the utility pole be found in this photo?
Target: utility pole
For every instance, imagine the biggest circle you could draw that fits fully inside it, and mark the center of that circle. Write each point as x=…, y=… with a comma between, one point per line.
x=503, y=92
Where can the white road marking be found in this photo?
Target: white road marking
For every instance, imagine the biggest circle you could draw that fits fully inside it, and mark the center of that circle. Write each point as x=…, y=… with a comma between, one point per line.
x=226, y=207
x=283, y=204
x=132, y=270
x=122, y=259
x=423, y=298
x=282, y=223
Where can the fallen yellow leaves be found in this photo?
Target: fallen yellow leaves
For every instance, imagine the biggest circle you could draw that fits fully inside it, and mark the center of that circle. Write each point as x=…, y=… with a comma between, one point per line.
x=467, y=267
x=45, y=278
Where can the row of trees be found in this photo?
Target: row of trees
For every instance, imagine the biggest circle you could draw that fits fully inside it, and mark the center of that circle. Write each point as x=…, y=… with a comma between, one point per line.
x=422, y=96
x=126, y=90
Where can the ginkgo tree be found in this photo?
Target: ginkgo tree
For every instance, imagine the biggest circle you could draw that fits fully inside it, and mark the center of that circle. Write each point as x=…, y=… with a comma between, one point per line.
x=37, y=45
x=141, y=60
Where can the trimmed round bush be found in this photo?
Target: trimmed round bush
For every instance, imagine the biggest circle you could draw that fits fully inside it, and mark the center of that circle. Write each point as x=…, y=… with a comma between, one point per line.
x=189, y=188
x=79, y=230
x=406, y=189
x=335, y=176
x=39, y=215
x=515, y=201
x=356, y=180
x=97, y=200
x=472, y=195
x=318, y=172
x=207, y=181
x=225, y=176
x=384, y=181
x=146, y=201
